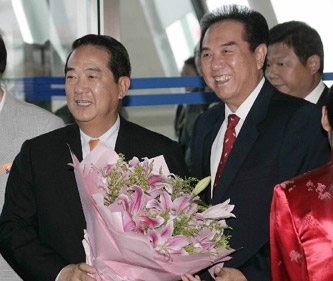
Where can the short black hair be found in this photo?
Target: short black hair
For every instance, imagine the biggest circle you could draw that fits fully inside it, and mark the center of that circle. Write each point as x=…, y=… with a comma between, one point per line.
x=119, y=62
x=191, y=62
x=3, y=56
x=255, y=25
x=298, y=35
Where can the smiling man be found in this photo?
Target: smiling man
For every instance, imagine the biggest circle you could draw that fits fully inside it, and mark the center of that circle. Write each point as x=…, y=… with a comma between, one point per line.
x=256, y=137
x=42, y=222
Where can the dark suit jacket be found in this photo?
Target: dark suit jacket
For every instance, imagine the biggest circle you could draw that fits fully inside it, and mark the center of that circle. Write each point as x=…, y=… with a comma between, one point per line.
x=323, y=97
x=42, y=222
x=280, y=138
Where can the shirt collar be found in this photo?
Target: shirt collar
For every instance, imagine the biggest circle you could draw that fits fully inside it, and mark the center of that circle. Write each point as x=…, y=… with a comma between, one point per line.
x=316, y=93
x=108, y=138
x=2, y=102
x=243, y=110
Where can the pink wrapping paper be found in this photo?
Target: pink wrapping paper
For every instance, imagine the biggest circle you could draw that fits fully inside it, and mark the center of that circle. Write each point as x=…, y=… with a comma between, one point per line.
x=119, y=255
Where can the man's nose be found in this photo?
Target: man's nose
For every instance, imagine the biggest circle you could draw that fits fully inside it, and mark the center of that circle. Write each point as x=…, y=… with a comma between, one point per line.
x=272, y=71
x=80, y=85
x=217, y=62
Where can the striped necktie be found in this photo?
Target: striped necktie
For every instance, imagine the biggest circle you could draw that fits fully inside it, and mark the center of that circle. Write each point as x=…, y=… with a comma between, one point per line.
x=229, y=139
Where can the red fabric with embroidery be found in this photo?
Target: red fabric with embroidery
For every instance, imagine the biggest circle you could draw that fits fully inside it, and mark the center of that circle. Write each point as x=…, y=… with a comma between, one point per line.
x=301, y=227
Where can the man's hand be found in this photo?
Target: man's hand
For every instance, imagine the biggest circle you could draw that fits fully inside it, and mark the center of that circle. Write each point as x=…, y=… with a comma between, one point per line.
x=77, y=272
x=189, y=277
x=228, y=274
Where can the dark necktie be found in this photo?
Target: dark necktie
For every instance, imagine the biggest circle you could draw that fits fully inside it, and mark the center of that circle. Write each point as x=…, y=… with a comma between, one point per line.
x=93, y=143
x=229, y=139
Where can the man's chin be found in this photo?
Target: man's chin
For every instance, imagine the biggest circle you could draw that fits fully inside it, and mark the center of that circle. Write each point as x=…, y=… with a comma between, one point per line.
x=282, y=89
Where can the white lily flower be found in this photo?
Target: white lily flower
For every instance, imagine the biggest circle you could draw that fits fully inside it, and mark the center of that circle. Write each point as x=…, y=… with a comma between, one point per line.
x=219, y=211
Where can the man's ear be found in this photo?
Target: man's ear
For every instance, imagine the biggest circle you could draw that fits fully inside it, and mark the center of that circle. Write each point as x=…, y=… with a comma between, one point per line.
x=313, y=63
x=124, y=83
x=260, y=53
x=324, y=119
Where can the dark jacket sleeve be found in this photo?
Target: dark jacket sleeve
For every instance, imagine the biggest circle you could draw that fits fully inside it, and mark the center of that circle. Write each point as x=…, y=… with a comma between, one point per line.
x=175, y=160
x=20, y=243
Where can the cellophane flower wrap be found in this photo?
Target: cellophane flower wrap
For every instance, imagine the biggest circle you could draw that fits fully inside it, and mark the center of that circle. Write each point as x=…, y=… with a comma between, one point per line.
x=144, y=223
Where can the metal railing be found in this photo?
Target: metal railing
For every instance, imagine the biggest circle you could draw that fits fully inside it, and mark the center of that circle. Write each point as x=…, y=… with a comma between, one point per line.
x=44, y=88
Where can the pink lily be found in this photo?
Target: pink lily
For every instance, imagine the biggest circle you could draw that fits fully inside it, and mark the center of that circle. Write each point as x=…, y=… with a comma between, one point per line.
x=134, y=162
x=135, y=211
x=203, y=241
x=164, y=242
x=166, y=203
x=156, y=184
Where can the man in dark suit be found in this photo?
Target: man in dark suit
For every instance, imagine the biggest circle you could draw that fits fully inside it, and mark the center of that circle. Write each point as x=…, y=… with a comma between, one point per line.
x=41, y=225
x=295, y=61
x=278, y=136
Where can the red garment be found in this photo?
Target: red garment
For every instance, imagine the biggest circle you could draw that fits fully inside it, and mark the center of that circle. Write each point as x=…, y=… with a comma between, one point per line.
x=301, y=227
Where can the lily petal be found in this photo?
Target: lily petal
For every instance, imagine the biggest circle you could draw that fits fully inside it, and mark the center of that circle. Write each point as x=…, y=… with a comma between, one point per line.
x=220, y=211
x=181, y=203
x=166, y=201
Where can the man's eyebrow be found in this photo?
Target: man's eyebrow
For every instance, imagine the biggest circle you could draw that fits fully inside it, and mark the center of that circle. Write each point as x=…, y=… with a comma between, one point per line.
x=97, y=69
x=229, y=43
x=69, y=69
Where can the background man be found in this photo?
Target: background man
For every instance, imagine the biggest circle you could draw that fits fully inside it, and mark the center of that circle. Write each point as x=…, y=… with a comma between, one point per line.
x=278, y=136
x=19, y=121
x=295, y=61
x=41, y=225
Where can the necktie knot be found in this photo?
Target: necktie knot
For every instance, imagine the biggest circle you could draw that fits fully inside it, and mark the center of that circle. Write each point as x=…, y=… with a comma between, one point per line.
x=233, y=120
x=93, y=143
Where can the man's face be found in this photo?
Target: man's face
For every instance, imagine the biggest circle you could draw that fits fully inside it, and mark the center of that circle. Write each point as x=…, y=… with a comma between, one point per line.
x=229, y=67
x=92, y=94
x=286, y=72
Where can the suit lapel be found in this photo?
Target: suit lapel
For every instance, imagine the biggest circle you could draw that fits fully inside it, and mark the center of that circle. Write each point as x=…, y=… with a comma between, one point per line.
x=127, y=142
x=9, y=108
x=7, y=115
x=244, y=142
x=6, y=132
x=207, y=147
x=72, y=142
x=124, y=140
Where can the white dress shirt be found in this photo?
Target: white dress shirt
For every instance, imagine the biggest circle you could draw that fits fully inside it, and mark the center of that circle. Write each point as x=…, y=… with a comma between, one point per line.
x=316, y=93
x=242, y=111
x=109, y=138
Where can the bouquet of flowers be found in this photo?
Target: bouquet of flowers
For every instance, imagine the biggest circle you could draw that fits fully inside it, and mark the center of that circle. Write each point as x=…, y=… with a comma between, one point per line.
x=144, y=223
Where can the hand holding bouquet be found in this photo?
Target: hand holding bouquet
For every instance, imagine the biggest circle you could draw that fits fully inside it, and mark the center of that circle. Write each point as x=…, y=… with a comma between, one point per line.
x=144, y=223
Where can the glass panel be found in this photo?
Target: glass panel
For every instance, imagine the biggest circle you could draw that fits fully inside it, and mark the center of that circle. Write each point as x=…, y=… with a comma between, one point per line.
x=175, y=31
x=183, y=35
x=38, y=35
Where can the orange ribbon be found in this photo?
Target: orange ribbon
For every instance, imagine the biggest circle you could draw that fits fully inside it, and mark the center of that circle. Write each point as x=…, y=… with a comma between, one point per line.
x=5, y=169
